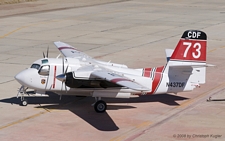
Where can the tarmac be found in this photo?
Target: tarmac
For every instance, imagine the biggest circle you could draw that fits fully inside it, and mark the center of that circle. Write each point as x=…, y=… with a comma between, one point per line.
x=132, y=32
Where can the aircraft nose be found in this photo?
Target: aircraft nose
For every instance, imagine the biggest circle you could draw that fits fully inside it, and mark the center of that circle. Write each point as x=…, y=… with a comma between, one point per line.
x=22, y=78
x=19, y=76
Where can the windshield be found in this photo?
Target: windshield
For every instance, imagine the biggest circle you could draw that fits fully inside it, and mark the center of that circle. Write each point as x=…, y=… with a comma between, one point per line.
x=35, y=66
x=44, y=70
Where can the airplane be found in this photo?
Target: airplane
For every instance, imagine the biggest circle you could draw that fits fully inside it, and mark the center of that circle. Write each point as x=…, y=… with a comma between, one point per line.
x=78, y=74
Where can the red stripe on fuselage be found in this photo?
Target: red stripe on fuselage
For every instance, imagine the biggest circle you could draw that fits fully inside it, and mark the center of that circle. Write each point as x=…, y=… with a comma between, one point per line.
x=147, y=72
x=157, y=79
x=53, y=85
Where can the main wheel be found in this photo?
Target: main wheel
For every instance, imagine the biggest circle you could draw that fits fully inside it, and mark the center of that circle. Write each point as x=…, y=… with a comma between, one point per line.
x=100, y=106
x=24, y=102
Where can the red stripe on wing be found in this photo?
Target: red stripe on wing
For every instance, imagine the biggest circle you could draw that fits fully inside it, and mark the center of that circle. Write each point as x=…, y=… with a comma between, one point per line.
x=119, y=79
x=61, y=48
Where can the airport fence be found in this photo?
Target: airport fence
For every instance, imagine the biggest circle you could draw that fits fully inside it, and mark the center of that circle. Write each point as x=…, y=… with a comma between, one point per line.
x=13, y=1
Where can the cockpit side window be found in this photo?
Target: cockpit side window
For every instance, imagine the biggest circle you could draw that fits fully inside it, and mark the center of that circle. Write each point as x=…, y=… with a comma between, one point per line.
x=44, y=70
x=35, y=66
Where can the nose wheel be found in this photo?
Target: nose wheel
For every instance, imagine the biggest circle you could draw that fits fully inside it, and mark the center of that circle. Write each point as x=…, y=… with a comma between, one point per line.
x=100, y=106
x=24, y=102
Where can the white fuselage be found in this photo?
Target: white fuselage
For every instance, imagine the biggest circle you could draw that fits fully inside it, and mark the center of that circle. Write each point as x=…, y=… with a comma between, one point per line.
x=158, y=80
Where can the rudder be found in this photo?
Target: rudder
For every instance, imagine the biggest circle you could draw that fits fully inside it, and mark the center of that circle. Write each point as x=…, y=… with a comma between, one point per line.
x=191, y=47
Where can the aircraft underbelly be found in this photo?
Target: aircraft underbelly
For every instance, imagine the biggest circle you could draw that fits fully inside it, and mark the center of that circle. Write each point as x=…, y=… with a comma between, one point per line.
x=99, y=92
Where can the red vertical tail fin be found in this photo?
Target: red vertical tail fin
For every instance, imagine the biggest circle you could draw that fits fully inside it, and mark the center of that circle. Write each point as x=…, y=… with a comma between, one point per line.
x=191, y=47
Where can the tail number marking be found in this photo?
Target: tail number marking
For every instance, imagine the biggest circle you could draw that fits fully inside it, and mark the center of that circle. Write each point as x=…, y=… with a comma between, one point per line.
x=197, y=46
x=175, y=84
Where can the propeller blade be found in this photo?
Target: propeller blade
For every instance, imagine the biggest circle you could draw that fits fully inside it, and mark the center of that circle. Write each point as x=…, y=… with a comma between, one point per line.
x=65, y=87
x=47, y=52
x=63, y=64
x=66, y=69
x=43, y=55
x=62, y=86
x=46, y=83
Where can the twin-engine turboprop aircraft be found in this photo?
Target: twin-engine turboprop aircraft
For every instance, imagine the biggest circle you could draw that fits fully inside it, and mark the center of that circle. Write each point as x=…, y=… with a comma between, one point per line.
x=78, y=74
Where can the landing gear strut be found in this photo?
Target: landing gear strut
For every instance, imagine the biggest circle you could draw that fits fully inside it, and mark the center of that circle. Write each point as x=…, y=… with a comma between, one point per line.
x=100, y=106
x=22, y=91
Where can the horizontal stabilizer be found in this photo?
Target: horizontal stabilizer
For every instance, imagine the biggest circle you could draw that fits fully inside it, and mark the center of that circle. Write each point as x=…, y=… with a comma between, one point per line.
x=192, y=65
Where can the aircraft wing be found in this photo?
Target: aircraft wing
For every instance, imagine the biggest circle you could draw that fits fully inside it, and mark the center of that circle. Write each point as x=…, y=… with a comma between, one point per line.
x=120, y=80
x=69, y=51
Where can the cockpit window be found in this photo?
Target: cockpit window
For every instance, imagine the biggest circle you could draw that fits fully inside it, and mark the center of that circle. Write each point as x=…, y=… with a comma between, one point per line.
x=35, y=66
x=44, y=61
x=44, y=70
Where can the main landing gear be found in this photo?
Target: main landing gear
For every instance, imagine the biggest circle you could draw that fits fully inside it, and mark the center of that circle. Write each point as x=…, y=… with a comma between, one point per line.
x=100, y=105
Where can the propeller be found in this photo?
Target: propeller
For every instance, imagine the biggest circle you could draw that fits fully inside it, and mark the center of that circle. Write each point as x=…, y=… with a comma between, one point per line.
x=46, y=54
x=62, y=77
x=46, y=57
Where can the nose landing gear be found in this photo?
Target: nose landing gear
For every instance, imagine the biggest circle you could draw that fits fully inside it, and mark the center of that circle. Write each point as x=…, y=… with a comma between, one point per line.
x=22, y=91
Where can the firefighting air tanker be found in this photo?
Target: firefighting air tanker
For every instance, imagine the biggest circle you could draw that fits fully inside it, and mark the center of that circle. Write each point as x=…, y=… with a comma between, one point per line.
x=78, y=74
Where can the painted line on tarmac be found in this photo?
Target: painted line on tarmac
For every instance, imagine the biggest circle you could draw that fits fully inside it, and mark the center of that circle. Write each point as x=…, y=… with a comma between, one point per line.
x=212, y=50
x=136, y=128
x=26, y=26
x=9, y=33
x=30, y=117
x=59, y=20
x=188, y=102
x=7, y=81
x=62, y=8
x=24, y=119
x=46, y=110
x=142, y=127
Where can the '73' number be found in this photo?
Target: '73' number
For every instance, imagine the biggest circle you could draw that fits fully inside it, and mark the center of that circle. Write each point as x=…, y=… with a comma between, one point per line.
x=196, y=46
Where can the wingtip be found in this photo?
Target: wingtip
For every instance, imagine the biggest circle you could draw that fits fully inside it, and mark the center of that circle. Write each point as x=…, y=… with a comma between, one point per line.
x=57, y=42
x=210, y=65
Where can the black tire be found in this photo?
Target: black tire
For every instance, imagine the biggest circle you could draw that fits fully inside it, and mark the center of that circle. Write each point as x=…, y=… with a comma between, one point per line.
x=24, y=102
x=100, y=106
